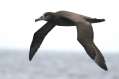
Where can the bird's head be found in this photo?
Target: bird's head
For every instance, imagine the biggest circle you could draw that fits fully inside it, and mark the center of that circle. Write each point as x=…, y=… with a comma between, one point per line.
x=48, y=16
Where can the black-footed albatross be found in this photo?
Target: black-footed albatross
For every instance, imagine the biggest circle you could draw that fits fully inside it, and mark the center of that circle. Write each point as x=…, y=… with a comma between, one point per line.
x=85, y=34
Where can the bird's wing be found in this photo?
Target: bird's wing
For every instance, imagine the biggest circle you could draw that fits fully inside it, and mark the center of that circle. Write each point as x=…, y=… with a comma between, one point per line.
x=85, y=37
x=38, y=38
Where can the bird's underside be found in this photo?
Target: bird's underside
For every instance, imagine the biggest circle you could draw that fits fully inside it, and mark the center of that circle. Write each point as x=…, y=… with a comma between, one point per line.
x=85, y=33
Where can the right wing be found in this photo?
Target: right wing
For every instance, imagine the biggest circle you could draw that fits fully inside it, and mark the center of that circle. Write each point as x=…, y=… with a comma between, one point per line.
x=85, y=37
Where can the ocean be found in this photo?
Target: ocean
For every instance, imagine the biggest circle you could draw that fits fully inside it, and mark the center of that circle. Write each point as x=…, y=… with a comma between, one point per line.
x=14, y=64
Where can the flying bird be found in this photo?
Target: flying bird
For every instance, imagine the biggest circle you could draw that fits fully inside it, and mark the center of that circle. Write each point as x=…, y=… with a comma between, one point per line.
x=85, y=34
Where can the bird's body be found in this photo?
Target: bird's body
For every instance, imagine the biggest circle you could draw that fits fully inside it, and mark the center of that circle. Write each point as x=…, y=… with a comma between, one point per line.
x=71, y=16
x=85, y=34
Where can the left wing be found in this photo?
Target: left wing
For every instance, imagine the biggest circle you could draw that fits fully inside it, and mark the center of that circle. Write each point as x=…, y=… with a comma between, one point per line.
x=39, y=37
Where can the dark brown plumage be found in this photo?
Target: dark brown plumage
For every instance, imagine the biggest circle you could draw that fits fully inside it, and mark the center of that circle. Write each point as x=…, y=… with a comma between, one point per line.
x=85, y=33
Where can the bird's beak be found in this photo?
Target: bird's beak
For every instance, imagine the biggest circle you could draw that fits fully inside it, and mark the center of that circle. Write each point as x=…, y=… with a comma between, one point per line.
x=38, y=19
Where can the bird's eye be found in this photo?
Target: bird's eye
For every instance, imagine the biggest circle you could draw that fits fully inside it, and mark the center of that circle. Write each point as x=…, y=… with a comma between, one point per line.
x=46, y=15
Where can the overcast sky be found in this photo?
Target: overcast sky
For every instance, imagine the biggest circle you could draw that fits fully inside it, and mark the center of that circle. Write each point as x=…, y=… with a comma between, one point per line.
x=17, y=24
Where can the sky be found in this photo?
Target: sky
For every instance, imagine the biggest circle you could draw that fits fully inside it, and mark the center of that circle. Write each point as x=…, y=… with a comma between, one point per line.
x=17, y=24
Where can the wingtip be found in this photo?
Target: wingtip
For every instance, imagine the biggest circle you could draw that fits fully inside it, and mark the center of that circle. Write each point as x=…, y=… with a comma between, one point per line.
x=103, y=66
x=101, y=63
x=30, y=58
x=31, y=54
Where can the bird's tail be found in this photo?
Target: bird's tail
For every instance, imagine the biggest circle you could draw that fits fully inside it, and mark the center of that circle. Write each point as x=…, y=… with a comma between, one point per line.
x=94, y=20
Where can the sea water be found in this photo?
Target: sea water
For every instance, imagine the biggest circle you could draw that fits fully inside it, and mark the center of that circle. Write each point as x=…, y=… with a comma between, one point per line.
x=14, y=64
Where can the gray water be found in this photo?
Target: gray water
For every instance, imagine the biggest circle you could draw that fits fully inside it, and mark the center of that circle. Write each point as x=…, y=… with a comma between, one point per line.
x=14, y=64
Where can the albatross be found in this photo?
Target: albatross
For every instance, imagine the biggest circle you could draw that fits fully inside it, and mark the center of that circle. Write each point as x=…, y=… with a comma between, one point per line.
x=85, y=34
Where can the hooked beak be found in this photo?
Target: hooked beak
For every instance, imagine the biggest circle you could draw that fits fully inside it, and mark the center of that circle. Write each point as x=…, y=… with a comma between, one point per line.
x=38, y=19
